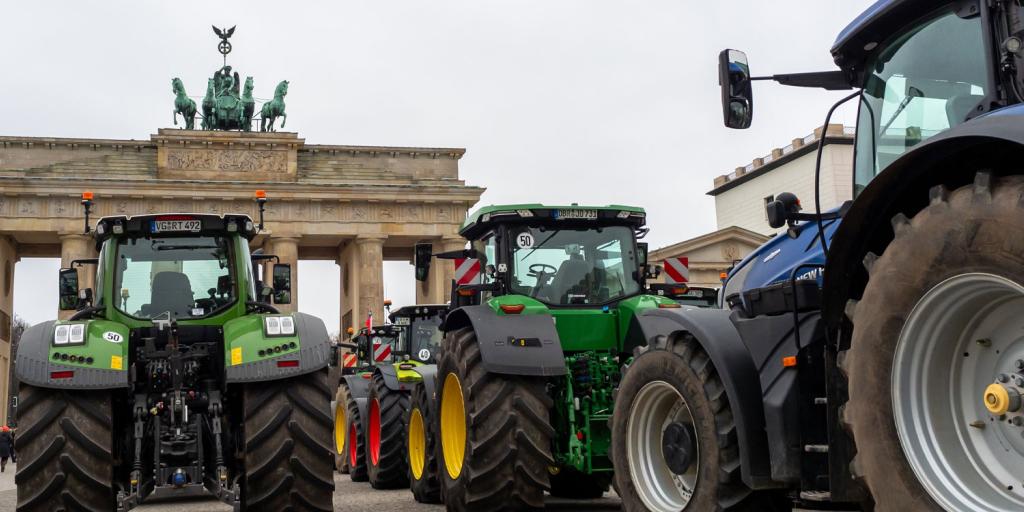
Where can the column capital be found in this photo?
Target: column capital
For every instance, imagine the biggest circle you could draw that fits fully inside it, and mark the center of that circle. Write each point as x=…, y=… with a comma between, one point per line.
x=370, y=239
x=284, y=238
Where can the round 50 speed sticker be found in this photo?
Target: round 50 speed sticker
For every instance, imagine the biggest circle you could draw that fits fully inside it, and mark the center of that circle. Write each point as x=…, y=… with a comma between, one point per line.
x=113, y=337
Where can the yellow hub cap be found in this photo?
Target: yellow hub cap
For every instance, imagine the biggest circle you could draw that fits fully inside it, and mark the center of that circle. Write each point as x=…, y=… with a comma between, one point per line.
x=997, y=399
x=453, y=426
x=340, y=429
x=417, y=444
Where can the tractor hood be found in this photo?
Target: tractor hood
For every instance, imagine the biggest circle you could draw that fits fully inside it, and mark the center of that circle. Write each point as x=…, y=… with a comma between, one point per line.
x=774, y=262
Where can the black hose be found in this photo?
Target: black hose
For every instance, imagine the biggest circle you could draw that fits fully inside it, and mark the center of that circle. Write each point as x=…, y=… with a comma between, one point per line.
x=817, y=172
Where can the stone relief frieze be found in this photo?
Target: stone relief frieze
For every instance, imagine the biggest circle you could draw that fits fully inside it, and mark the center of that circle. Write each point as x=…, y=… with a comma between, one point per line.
x=227, y=160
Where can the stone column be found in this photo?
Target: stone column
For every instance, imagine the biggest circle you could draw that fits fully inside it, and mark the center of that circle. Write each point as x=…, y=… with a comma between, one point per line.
x=437, y=288
x=76, y=247
x=286, y=248
x=370, y=291
x=8, y=259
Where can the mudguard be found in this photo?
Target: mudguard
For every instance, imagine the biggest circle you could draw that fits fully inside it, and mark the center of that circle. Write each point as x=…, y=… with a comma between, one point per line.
x=989, y=141
x=513, y=344
x=428, y=372
x=314, y=353
x=390, y=375
x=34, y=366
x=358, y=387
x=718, y=336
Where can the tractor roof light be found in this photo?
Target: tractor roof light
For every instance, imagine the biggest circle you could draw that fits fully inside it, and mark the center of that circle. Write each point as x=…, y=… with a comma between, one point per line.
x=623, y=214
x=118, y=228
x=525, y=213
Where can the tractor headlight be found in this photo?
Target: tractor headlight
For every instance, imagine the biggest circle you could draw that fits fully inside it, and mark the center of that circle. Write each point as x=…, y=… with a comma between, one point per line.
x=278, y=326
x=287, y=326
x=273, y=325
x=61, y=334
x=69, y=334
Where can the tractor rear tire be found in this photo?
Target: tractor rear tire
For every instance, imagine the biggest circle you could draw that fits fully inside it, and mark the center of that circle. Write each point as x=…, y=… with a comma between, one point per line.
x=355, y=440
x=422, y=448
x=64, y=444
x=287, y=432
x=574, y=485
x=387, y=467
x=674, y=379
x=495, y=432
x=975, y=230
x=341, y=429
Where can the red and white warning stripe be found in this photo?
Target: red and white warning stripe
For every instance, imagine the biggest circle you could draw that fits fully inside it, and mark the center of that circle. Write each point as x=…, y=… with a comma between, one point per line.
x=350, y=361
x=677, y=270
x=381, y=351
x=467, y=271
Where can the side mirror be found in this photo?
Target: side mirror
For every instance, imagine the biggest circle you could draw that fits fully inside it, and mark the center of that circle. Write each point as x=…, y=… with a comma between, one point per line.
x=421, y=259
x=68, y=289
x=282, y=283
x=641, y=254
x=737, y=93
x=782, y=210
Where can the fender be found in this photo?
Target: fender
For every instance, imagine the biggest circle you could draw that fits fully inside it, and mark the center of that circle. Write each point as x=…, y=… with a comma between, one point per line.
x=720, y=339
x=512, y=344
x=390, y=375
x=359, y=390
x=428, y=372
x=33, y=365
x=952, y=158
x=314, y=352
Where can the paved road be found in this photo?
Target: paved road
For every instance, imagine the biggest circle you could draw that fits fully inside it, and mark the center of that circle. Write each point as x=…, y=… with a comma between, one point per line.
x=348, y=497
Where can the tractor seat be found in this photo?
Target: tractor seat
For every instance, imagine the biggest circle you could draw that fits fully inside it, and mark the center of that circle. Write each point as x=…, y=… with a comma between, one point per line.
x=172, y=292
x=572, y=277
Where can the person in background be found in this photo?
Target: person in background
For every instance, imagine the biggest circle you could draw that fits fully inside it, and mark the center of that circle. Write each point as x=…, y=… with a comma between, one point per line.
x=6, y=446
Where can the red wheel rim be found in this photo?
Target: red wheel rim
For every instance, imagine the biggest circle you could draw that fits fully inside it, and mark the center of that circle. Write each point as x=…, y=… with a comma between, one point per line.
x=374, y=432
x=353, y=452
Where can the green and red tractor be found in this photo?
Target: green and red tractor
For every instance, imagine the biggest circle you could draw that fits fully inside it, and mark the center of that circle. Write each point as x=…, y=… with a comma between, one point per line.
x=174, y=375
x=531, y=356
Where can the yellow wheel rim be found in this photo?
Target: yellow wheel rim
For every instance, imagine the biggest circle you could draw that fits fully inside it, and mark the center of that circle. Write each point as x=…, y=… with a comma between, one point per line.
x=453, y=426
x=417, y=444
x=340, y=429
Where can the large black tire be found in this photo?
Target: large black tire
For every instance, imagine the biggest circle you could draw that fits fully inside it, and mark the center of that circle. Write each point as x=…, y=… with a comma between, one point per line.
x=426, y=487
x=64, y=446
x=574, y=485
x=356, y=441
x=287, y=429
x=341, y=429
x=682, y=364
x=507, y=448
x=976, y=228
x=385, y=454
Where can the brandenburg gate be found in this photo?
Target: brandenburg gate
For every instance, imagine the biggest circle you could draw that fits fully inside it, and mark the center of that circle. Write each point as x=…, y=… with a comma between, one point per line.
x=355, y=205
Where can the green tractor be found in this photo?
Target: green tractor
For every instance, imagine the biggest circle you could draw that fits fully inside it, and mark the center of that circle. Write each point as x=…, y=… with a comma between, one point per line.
x=532, y=354
x=175, y=374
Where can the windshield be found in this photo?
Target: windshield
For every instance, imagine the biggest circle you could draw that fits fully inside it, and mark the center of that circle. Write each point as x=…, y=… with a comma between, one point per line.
x=425, y=337
x=188, y=277
x=574, y=266
x=920, y=83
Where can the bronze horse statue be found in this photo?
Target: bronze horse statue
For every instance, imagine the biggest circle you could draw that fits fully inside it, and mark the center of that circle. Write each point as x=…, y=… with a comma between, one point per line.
x=248, y=105
x=274, y=108
x=183, y=105
x=208, y=103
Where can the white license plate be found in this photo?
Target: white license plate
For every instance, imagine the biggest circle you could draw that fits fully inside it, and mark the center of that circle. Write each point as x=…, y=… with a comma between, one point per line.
x=168, y=226
x=577, y=214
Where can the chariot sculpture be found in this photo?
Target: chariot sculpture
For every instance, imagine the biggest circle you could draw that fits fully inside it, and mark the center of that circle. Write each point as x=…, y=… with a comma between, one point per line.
x=227, y=104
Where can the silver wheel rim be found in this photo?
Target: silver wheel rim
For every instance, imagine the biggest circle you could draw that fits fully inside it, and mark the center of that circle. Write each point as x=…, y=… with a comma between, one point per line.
x=957, y=340
x=656, y=406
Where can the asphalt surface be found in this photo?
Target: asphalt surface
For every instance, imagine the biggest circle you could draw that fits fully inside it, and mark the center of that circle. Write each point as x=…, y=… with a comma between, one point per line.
x=348, y=497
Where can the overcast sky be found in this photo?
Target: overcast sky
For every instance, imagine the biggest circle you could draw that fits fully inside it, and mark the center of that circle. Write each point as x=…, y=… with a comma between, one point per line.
x=557, y=101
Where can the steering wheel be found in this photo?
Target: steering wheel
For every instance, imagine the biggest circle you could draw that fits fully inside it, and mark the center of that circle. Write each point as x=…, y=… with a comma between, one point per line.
x=538, y=269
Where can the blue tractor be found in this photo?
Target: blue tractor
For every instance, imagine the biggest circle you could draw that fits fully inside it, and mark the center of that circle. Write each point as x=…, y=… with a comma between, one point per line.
x=871, y=356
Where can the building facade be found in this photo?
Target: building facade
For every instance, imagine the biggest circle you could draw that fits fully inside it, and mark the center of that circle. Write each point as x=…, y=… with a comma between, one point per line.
x=740, y=196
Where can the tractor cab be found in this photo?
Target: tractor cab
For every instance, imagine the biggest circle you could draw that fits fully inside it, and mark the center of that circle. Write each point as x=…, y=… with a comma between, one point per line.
x=559, y=256
x=378, y=345
x=421, y=332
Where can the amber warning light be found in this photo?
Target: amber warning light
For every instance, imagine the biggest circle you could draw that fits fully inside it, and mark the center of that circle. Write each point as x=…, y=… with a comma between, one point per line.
x=87, y=196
